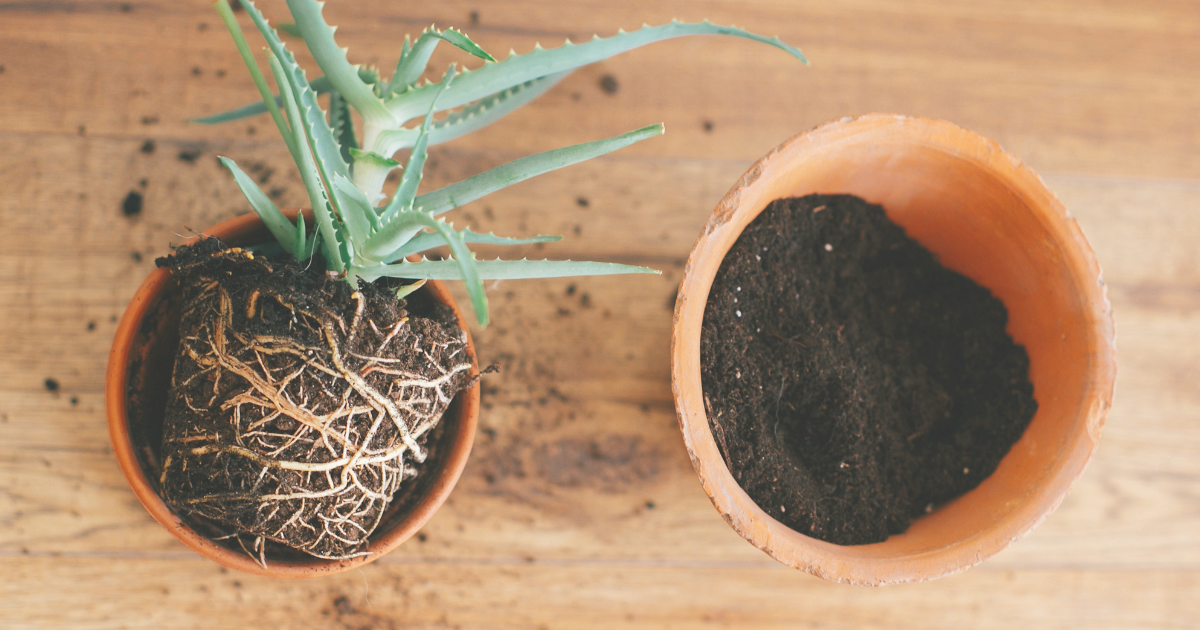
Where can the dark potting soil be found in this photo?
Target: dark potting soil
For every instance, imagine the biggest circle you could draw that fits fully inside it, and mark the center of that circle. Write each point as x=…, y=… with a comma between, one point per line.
x=299, y=407
x=851, y=381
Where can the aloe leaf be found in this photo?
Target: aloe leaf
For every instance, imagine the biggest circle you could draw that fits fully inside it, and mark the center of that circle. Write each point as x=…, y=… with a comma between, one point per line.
x=517, y=69
x=357, y=213
x=342, y=125
x=393, y=234
x=321, y=137
x=413, y=61
x=320, y=85
x=429, y=240
x=369, y=156
x=371, y=171
x=318, y=36
x=466, y=267
x=499, y=269
x=279, y=225
x=289, y=29
x=473, y=188
x=369, y=75
x=407, y=289
x=472, y=117
x=335, y=258
x=411, y=179
x=319, y=149
x=404, y=50
x=301, y=237
x=245, y=111
x=401, y=230
x=268, y=103
x=460, y=40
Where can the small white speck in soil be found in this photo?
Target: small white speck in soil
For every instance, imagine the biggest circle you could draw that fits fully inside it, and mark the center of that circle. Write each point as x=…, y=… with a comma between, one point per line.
x=739, y=288
x=782, y=509
x=966, y=471
x=739, y=313
x=828, y=247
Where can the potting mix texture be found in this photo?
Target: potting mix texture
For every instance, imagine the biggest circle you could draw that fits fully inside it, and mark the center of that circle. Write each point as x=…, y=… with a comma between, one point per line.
x=852, y=383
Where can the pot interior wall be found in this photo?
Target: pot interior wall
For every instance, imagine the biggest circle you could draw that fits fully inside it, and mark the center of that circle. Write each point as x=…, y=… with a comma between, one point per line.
x=991, y=230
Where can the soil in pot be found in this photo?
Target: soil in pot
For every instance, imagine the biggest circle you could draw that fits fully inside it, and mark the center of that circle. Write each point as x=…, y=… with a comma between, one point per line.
x=853, y=383
x=299, y=406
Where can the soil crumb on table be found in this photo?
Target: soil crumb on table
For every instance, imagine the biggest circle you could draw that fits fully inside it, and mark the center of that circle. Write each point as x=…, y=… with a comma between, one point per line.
x=852, y=382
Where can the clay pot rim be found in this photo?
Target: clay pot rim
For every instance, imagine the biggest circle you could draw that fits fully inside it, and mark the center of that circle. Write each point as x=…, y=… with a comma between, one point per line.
x=116, y=385
x=856, y=564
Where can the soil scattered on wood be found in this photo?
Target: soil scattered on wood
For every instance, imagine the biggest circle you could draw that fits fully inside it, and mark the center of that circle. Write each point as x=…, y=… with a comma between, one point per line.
x=852, y=382
x=609, y=85
x=298, y=406
x=132, y=205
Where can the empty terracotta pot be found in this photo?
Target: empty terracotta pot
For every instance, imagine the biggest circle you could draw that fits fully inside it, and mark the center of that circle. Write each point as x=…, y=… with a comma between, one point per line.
x=135, y=392
x=986, y=215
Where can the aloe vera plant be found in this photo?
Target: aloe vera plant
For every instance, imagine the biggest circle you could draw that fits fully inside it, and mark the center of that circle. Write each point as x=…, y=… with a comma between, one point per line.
x=298, y=406
x=362, y=234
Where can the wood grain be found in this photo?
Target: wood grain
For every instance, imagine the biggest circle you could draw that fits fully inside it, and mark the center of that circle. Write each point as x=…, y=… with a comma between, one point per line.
x=188, y=593
x=579, y=507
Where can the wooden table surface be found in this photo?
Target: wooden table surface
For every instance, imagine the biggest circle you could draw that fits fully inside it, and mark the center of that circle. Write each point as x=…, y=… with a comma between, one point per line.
x=579, y=507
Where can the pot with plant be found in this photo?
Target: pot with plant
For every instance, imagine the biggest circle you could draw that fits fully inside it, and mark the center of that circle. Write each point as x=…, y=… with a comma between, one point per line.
x=892, y=351
x=324, y=390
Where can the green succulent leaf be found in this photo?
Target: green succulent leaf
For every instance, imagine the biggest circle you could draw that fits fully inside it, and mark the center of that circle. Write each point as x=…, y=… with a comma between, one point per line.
x=368, y=156
x=357, y=213
x=413, y=60
x=363, y=242
x=344, y=76
x=469, y=273
x=414, y=222
x=368, y=74
x=407, y=190
x=289, y=29
x=302, y=244
x=473, y=117
x=320, y=135
x=473, y=188
x=279, y=225
x=336, y=256
x=407, y=289
x=393, y=234
x=517, y=69
x=499, y=269
x=428, y=240
x=320, y=85
x=371, y=171
x=459, y=39
x=342, y=125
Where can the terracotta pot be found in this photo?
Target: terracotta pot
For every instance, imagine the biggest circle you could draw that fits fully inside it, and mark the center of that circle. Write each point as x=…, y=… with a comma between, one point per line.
x=135, y=394
x=985, y=215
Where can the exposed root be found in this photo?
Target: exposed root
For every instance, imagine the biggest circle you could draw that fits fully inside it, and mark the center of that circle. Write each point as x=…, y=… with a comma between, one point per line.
x=295, y=419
